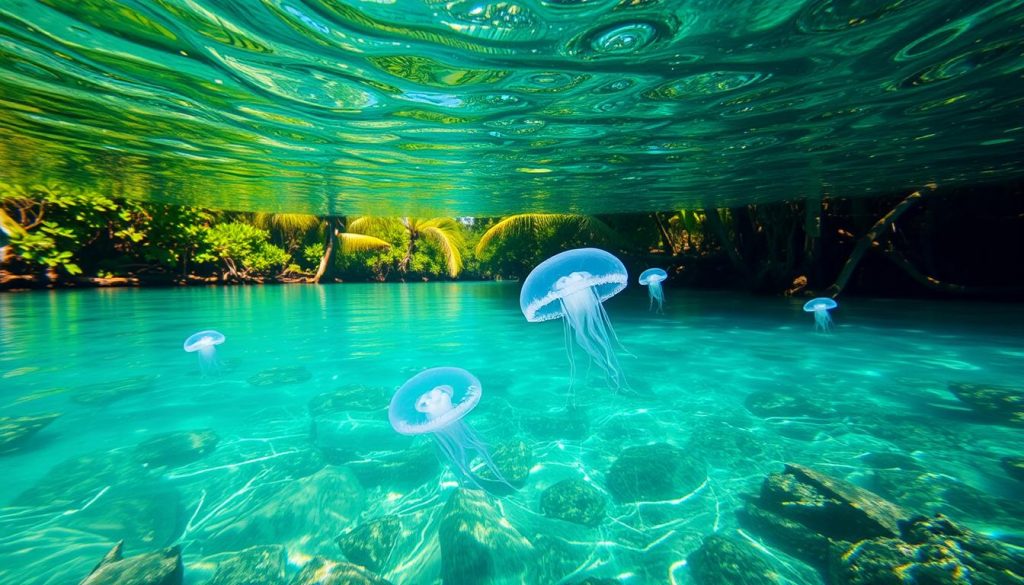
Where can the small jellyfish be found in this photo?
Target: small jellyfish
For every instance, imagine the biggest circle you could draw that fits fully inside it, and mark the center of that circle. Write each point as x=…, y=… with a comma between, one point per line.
x=205, y=343
x=571, y=286
x=820, y=307
x=651, y=278
x=435, y=401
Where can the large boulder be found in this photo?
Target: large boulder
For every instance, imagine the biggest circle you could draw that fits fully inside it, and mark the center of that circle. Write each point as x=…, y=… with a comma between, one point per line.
x=928, y=551
x=176, y=448
x=721, y=560
x=573, y=500
x=513, y=460
x=370, y=544
x=307, y=512
x=162, y=567
x=321, y=571
x=16, y=431
x=1000, y=404
x=653, y=473
x=478, y=544
x=258, y=565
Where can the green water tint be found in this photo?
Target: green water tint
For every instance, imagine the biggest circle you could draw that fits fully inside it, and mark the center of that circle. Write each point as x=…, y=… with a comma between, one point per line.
x=289, y=448
x=474, y=108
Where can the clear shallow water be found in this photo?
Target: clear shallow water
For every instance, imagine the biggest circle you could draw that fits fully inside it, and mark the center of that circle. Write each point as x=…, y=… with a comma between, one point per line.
x=478, y=108
x=877, y=385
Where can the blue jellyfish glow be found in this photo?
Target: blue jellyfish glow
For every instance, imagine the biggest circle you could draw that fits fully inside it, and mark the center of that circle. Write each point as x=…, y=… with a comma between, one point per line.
x=820, y=307
x=205, y=343
x=571, y=286
x=435, y=402
x=651, y=278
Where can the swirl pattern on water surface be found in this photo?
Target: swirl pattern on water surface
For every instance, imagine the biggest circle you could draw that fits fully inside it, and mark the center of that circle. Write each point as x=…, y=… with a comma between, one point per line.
x=508, y=105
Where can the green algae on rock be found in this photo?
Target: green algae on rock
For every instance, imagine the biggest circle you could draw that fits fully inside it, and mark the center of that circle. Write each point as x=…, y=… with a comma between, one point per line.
x=1001, y=404
x=162, y=567
x=478, y=545
x=176, y=448
x=722, y=560
x=257, y=565
x=654, y=473
x=321, y=571
x=370, y=544
x=573, y=500
x=16, y=431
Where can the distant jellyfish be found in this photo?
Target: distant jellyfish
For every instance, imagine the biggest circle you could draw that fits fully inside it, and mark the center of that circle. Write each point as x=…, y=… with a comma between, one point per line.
x=820, y=307
x=572, y=285
x=435, y=401
x=652, y=278
x=205, y=343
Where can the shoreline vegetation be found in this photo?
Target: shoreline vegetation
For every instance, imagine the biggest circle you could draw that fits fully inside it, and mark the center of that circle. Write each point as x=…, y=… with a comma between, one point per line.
x=966, y=242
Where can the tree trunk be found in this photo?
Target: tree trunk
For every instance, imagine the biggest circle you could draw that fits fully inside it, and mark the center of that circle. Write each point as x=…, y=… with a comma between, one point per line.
x=667, y=244
x=712, y=218
x=869, y=238
x=326, y=268
x=403, y=266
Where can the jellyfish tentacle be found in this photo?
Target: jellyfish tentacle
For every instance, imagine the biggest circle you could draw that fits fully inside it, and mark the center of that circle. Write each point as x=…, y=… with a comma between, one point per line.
x=471, y=439
x=822, y=320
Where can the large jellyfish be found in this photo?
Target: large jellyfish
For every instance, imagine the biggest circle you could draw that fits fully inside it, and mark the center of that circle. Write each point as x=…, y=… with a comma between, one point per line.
x=435, y=402
x=651, y=278
x=572, y=285
x=205, y=343
x=820, y=307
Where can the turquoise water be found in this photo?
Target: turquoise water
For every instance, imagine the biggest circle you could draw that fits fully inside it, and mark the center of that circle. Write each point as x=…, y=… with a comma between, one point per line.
x=283, y=474
x=459, y=107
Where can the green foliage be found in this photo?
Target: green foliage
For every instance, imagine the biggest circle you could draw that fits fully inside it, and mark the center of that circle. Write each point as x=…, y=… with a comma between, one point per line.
x=244, y=249
x=311, y=255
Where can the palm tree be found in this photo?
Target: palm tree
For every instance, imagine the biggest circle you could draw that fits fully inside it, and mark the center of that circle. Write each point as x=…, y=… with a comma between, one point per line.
x=531, y=223
x=446, y=232
x=294, y=226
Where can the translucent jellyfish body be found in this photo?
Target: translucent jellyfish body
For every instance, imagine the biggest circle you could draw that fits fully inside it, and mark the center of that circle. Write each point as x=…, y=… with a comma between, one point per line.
x=204, y=343
x=652, y=279
x=571, y=286
x=820, y=307
x=434, y=402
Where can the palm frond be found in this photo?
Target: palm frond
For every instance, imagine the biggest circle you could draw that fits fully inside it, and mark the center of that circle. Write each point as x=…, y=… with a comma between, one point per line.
x=528, y=223
x=448, y=234
x=287, y=222
x=368, y=224
x=360, y=243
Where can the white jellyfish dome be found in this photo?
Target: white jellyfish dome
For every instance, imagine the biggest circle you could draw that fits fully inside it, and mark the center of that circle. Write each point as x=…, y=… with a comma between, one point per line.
x=203, y=340
x=433, y=400
x=561, y=276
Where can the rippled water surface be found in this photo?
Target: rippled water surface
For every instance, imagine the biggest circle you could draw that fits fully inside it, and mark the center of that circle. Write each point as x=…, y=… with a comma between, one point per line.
x=467, y=107
x=296, y=449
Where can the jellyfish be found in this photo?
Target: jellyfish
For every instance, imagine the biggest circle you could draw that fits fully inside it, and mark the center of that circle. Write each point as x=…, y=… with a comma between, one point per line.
x=571, y=286
x=205, y=342
x=651, y=278
x=435, y=401
x=820, y=307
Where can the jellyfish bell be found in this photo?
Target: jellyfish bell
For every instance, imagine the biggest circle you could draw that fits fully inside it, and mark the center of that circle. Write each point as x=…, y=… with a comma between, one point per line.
x=204, y=343
x=820, y=307
x=434, y=402
x=652, y=279
x=572, y=286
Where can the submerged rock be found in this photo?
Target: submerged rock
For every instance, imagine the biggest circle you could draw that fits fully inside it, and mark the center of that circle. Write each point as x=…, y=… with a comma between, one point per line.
x=1014, y=467
x=928, y=550
x=1000, y=404
x=653, y=473
x=103, y=393
x=16, y=431
x=769, y=403
x=111, y=495
x=573, y=500
x=513, y=459
x=408, y=467
x=324, y=503
x=937, y=492
x=176, y=448
x=478, y=545
x=353, y=397
x=156, y=568
x=788, y=535
x=726, y=561
x=280, y=376
x=258, y=565
x=321, y=571
x=370, y=544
